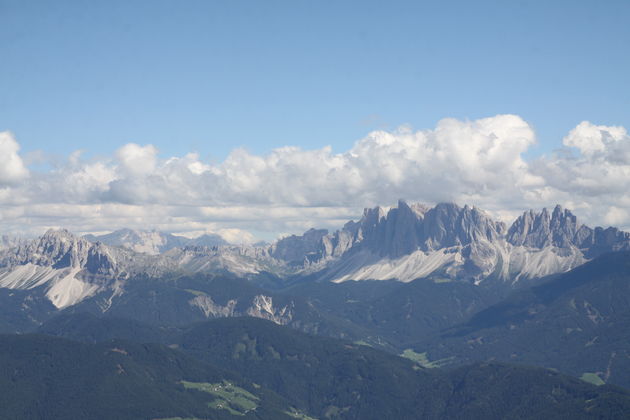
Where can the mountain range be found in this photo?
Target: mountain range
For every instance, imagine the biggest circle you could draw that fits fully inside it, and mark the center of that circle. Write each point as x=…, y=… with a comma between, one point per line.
x=437, y=310
x=153, y=242
x=448, y=242
x=443, y=243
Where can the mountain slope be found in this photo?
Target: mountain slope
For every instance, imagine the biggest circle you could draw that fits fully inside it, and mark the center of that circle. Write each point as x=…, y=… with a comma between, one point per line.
x=46, y=377
x=23, y=310
x=90, y=328
x=578, y=322
x=391, y=314
x=340, y=380
x=182, y=300
x=66, y=267
x=320, y=375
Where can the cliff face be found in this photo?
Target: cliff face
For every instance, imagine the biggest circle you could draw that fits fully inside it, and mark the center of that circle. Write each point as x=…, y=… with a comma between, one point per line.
x=411, y=241
x=60, y=249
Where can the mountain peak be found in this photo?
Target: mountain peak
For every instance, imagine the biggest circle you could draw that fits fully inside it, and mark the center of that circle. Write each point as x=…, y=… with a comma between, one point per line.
x=539, y=230
x=59, y=234
x=418, y=209
x=448, y=205
x=373, y=215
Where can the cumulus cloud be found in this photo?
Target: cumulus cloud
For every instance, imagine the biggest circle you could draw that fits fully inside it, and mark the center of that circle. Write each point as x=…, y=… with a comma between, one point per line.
x=595, y=140
x=237, y=236
x=290, y=189
x=12, y=169
x=137, y=160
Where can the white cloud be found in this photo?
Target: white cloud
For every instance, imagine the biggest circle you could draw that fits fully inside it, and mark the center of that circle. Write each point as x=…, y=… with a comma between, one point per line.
x=12, y=169
x=290, y=189
x=137, y=160
x=615, y=216
x=237, y=236
x=592, y=140
x=595, y=180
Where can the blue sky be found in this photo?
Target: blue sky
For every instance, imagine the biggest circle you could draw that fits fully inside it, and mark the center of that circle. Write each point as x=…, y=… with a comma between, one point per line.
x=208, y=76
x=139, y=85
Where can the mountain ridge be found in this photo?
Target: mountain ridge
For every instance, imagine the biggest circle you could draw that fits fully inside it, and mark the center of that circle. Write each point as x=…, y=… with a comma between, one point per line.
x=577, y=322
x=464, y=243
x=443, y=243
x=153, y=242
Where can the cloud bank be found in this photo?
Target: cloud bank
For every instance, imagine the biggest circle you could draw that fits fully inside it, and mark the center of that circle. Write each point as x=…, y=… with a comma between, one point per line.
x=12, y=169
x=478, y=162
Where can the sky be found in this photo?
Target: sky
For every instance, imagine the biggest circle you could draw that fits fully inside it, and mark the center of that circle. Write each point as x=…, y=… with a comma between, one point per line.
x=261, y=118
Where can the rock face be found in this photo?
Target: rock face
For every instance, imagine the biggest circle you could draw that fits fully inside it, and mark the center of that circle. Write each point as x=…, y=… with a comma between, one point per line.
x=301, y=250
x=239, y=260
x=69, y=268
x=539, y=230
x=261, y=306
x=450, y=242
x=61, y=249
x=561, y=229
x=399, y=232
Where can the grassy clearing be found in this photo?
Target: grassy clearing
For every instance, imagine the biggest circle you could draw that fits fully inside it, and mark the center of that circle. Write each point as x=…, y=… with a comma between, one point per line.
x=423, y=360
x=592, y=378
x=228, y=396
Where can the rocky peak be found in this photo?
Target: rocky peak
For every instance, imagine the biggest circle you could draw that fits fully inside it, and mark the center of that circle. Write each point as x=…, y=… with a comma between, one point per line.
x=370, y=221
x=564, y=227
x=448, y=225
x=475, y=225
x=603, y=240
x=408, y=228
x=418, y=208
x=439, y=227
x=399, y=232
x=297, y=250
x=61, y=249
x=539, y=230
